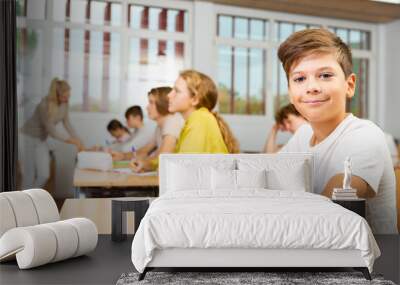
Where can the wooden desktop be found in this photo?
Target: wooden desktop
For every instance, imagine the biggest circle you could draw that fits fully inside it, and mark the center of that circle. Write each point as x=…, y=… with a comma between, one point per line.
x=86, y=180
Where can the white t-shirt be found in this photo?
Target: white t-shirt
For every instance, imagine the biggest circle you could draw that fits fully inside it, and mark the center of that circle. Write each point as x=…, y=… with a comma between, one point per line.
x=172, y=126
x=122, y=144
x=365, y=143
x=140, y=137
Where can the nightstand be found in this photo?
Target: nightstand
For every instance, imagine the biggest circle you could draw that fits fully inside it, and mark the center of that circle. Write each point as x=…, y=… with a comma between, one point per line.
x=357, y=206
x=139, y=205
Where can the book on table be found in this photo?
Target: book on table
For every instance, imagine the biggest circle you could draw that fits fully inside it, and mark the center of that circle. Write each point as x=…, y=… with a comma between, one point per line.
x=344, y=194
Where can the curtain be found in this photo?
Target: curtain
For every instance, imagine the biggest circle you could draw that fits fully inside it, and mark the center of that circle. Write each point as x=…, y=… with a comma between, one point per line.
x=8, y=97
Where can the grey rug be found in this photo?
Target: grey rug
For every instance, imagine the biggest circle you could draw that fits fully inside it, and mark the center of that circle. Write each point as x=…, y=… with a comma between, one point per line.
x=228, y=278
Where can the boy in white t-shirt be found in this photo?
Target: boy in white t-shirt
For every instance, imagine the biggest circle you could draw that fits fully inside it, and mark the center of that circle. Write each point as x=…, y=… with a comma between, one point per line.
x=162, y=140
x=318, y=67
x=142, y=131
x=169, y=126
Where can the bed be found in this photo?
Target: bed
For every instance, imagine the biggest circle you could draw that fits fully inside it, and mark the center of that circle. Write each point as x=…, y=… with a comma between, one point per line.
x=247, y=210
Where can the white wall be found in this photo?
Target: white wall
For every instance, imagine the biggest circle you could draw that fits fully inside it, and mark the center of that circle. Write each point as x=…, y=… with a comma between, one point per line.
x=391, y=74
x=204, y=39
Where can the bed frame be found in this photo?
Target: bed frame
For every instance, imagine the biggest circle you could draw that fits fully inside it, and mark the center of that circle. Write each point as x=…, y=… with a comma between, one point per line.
x=240, y=259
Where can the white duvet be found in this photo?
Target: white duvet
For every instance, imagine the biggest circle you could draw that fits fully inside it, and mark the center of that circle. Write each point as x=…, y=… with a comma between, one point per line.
x=250, y=219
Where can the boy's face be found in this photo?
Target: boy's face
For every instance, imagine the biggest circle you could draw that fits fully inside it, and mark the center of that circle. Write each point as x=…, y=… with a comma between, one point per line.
x=133, y=122
x=318, y=88
x=117, y=133
x=152, y=108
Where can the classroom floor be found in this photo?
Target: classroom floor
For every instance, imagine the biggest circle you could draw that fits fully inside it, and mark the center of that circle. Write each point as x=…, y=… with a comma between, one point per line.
x=111, y=259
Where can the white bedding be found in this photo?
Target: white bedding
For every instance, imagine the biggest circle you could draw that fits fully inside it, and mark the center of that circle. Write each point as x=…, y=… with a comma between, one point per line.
x=251, y=218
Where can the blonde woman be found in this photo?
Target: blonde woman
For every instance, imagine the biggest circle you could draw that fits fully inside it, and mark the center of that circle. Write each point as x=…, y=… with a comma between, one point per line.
x=194, y=96
x=35, y=153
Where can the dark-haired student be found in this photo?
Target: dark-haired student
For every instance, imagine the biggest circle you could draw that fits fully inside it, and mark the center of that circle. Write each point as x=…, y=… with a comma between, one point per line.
x=164, y=138
x=121, y=134
x=287, y=119
x=142, y=131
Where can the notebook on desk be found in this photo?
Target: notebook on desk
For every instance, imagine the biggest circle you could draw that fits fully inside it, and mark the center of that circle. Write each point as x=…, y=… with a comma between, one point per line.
x=129, y=171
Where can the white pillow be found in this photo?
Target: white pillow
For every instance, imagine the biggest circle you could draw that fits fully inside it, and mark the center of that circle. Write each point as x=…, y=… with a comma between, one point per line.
x=95, y=160
x=251, y=178
x=226, y=179
x=182, y=177
x=223, y=179
x=281, y=174
x=290, y=178
x=186, y=174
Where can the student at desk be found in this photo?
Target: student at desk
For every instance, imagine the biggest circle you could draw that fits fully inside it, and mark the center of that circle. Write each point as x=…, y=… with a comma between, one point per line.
x=142, y=132
x=194, y=96
x=287, y=119
x=164, y=139
x=121, y=134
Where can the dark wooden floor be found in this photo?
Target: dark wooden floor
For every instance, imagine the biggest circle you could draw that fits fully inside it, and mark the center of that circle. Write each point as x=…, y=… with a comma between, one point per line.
x=102, y=266
x=111, y=259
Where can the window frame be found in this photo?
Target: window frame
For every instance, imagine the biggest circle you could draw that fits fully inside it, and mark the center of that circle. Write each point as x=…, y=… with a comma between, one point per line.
x=126, y=34
x=272, y=43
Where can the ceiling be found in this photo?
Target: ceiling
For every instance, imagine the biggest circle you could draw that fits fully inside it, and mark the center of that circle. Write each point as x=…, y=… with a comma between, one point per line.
x=356, y=10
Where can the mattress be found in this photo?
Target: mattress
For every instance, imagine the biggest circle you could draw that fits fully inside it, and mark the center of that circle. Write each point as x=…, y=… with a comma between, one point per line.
x=250, y=219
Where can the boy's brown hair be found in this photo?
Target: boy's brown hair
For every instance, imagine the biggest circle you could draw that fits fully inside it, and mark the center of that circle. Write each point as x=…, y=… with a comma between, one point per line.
x=160, y=94
x=114, y=125
x=134, y=111
x=312, y=41
x=284, y=112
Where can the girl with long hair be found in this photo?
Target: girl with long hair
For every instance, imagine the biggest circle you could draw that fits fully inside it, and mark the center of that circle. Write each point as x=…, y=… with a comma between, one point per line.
x=194, y=96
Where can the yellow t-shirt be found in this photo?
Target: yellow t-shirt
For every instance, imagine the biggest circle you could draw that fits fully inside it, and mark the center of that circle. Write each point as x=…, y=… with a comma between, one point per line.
x=201, y=134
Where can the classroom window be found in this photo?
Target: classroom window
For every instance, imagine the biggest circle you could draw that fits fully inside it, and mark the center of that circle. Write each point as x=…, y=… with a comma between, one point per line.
x=157, y=19
x=284, y=29
x=152, y=63
x=354, y=38
x=89, y=61
x=92, y=12
x=88, y=40
x=241, y=68
x=359, y=103
x=358, y=40
x=242, y=28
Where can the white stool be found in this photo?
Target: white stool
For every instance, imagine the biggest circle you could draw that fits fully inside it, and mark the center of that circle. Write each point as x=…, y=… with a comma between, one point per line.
x=31, y=230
